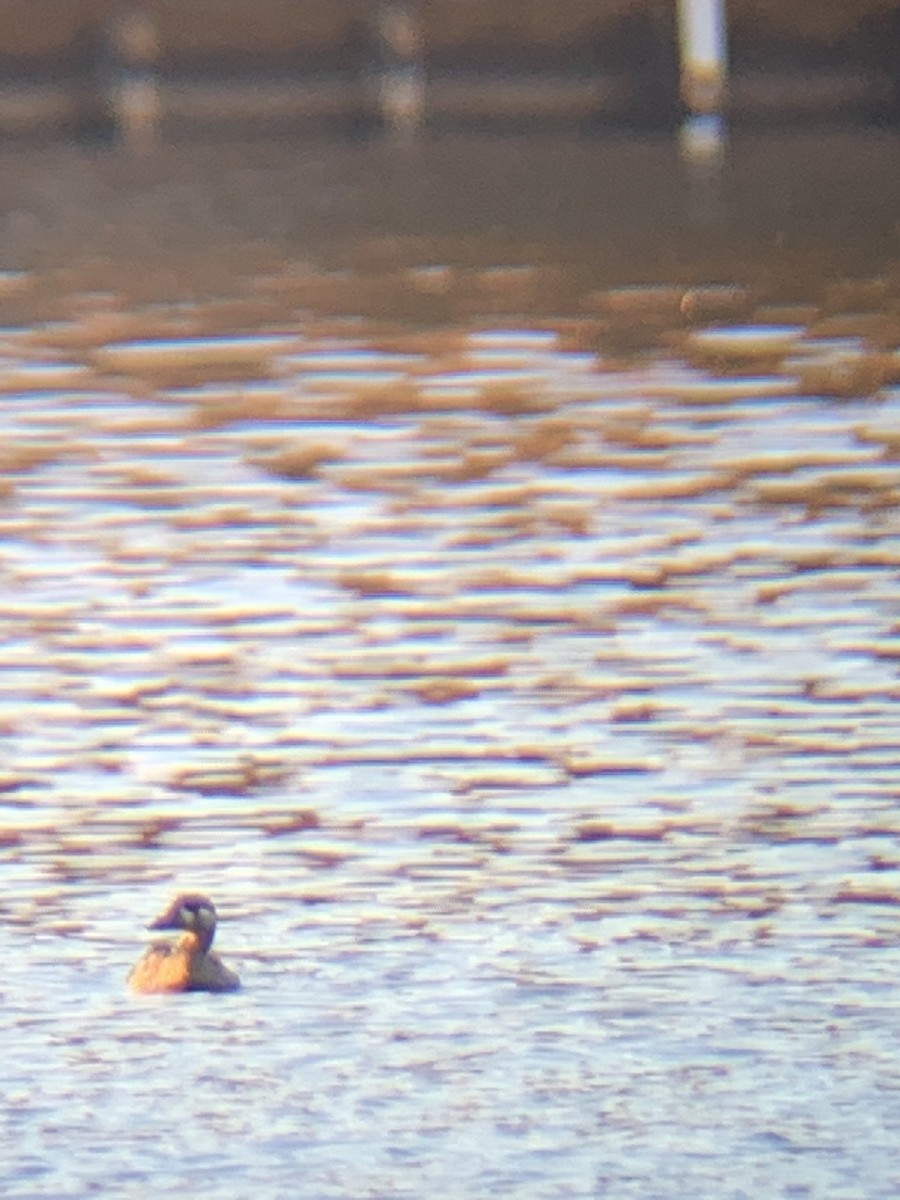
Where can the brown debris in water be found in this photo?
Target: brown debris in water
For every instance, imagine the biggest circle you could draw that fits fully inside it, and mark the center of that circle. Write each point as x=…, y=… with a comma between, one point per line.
x=844, y=375
x=634, y=711
x=297, y=822
x=888, y=439
x=854, y=893
x=447, y=831
x=300, y=461
x=541, y=441
x=684, y=487
x=579, y=765
x=872, y=489
x=239, y=779
x=444, y=690
x=151, y=832
x=475, y=464
x=372, y=583
x=601, y=831
x=18, y=458
x=232, y=408
x=650, y=602
x=512, y=400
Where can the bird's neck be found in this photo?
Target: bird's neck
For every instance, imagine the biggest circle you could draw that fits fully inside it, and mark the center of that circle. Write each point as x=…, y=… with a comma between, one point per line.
x=195, y=942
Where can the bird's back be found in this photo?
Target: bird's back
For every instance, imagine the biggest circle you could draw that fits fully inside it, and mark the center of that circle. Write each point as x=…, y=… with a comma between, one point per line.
x=181, y=967
x=164, y=968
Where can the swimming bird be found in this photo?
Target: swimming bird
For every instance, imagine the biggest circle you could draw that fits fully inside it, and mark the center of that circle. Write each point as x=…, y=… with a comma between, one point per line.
x=187, y=964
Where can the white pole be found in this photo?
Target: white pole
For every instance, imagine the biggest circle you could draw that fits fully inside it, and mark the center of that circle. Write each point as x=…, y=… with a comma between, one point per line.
x=703, y=45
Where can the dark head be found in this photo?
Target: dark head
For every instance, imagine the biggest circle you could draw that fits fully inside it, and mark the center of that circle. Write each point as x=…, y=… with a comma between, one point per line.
x=193, y=914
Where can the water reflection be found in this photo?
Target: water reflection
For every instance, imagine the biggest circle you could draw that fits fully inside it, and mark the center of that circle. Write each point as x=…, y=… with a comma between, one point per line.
x=506, y=645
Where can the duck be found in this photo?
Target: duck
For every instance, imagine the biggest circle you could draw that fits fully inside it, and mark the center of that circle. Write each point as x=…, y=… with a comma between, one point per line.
x=187, y=964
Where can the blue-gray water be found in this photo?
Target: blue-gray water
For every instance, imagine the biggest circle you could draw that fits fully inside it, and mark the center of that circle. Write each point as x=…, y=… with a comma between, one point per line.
x=492, y=604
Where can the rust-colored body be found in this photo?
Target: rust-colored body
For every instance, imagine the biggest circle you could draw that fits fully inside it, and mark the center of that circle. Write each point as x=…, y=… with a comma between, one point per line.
x=187, y=964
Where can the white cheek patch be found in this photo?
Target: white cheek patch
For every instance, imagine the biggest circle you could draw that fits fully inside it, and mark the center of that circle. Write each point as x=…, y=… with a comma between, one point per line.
x=206, y=917
x=186, y=916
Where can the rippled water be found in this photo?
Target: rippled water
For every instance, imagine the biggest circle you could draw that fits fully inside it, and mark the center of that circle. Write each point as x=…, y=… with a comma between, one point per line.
x=506, y=643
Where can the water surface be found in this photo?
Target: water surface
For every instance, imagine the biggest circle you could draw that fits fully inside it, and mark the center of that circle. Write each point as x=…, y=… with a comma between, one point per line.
x=475, y=566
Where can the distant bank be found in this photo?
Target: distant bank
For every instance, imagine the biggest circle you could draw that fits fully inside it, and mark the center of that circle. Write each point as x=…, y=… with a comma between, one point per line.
x=86, y=65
